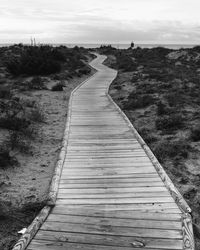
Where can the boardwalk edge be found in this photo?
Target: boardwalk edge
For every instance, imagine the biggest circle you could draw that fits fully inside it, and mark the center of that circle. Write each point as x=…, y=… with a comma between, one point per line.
x=53, y=190
x=33, y=228
x=182, y=204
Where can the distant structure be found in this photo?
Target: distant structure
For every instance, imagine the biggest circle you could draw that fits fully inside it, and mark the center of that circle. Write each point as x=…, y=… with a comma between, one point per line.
x=33, y=42
x=132, y=45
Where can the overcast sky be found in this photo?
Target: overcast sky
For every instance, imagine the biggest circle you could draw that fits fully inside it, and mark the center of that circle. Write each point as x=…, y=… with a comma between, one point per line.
x=100, y=21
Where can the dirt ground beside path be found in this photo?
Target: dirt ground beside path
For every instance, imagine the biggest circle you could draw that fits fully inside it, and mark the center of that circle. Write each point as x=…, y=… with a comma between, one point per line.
x=24, y=189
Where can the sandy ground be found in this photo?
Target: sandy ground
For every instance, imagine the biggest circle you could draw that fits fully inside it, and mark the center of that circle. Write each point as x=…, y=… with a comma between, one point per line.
x=24, y=188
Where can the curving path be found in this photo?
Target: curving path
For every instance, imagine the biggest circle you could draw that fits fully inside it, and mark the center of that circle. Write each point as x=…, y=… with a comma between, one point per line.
x=110, y=196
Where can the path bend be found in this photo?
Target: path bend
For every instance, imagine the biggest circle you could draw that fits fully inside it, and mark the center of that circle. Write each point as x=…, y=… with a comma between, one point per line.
x=110, y=195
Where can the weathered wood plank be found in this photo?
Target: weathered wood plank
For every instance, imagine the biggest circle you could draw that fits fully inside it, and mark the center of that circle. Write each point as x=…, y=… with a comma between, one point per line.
x=104, y=190
x=49, y=245
x=112, y=230
x=118, y=180
x=111, y=195
x=128, y=214
x=108, y=240
x=135, y=200
x=112, y=185
x=132, y=223
x=165, y=208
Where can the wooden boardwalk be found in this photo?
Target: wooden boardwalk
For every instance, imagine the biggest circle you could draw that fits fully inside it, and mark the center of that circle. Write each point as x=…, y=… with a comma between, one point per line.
x=110, y=195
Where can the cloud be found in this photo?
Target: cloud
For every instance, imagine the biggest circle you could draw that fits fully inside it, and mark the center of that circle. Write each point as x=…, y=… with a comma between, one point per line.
x=157, y=21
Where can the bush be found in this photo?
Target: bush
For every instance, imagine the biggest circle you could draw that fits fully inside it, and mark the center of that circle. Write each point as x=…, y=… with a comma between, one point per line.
x=5, y=158
x=118, y=87
x=36, y=83
x=18, y=120
x=5, y=92
x=163, y=109
x=84, y=71
x=195, y=133
x=175, y=98
x=58, y=86
x=147, y=135
x=171, y=149
x=14, y=123
x=36, y=60
x=36, y=114
x=139, y=101
x=126, y=63
x=19, y=141
x=169, y=122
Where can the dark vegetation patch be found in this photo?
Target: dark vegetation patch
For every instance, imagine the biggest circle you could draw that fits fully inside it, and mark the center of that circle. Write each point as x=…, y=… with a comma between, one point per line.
x=139, y=101
x=169, y=122
x=58, y=86
x=171, y=149
x=20, y=120
x=195, y=133
x=44, y=60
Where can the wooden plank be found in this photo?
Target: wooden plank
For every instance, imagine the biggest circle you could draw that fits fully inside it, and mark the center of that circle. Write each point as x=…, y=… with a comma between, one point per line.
x=49, y=245
x=136, y=175
x=118, y=180
x=112, y=185
x=80, y=154
x=112, y=190
x=73, y=157
x=128, y=214
x=107, y=164
x=111, y=195
x=158, y=207
x=112, y=230
x=118, y=222
x=109, y=171
x=110, y=240
x=136, y=200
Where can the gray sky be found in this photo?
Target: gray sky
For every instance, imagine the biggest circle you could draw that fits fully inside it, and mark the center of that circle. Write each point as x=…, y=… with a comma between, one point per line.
x=100, y=21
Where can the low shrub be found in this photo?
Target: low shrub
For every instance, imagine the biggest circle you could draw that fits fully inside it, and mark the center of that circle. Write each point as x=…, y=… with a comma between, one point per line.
x=6, y=159
x=5, y=92
x=19, y=120
x=169, y=122
x=84, y=71
x=36, y=60
x=37, y=83
x=118, y=87
x=195, y=133
x=147, y=135
x=175, y=98
x=139, y=101
x=14, y=123
x=126, y=63
x=36, y=114
x=162, y=109
x=18, y=141
x=171, y=149
x=58, y=86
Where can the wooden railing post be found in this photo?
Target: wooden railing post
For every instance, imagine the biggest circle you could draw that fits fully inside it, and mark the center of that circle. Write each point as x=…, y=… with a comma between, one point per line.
x=188, y=238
